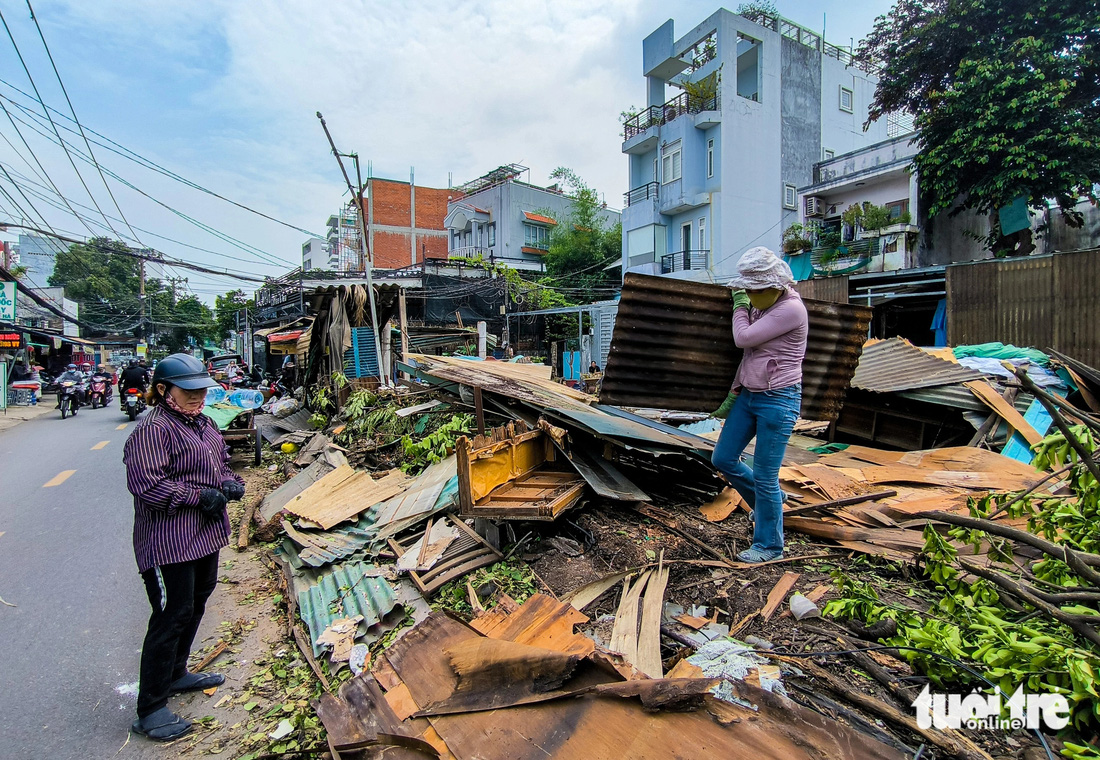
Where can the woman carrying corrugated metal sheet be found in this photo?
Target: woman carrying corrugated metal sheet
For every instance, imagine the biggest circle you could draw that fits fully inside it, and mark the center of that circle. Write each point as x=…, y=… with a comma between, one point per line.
x=177, y=468
x=770, y=325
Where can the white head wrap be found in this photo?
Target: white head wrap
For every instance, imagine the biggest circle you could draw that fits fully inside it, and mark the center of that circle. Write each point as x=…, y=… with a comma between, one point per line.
x=759, y=268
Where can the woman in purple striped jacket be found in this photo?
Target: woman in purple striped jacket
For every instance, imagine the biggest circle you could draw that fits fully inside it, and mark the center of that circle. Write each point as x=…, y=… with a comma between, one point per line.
x=177, y=468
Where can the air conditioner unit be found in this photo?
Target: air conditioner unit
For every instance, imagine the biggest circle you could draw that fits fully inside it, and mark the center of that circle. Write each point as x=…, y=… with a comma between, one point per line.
x=813, y=206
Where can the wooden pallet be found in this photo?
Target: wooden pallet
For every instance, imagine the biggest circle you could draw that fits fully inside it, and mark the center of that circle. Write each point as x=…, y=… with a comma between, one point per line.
x=466, y=553
x=537, y=495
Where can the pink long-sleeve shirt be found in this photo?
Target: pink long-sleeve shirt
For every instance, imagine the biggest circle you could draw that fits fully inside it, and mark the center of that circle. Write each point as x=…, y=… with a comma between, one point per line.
x=774, y=342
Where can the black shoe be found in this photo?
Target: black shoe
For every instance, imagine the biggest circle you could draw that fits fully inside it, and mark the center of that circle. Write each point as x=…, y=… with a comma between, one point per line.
x=161, y=726
x=195, y=682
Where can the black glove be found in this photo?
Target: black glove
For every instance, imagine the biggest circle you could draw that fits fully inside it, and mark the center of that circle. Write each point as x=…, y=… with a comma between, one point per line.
x=233, y=490
x=212, y=502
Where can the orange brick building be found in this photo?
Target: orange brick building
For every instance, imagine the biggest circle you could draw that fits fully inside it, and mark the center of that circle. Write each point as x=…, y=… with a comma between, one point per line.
x=405, y=222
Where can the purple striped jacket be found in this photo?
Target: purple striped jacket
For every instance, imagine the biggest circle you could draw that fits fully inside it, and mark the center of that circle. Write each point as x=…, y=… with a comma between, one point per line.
x=169, y=461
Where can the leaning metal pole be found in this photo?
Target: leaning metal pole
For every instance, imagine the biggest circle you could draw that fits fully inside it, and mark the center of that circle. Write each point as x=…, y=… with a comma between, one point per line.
x=357, y=194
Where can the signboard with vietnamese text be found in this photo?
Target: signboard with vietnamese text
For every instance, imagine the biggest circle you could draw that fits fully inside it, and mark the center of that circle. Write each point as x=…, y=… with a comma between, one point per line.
x=7, y=301
x=10, y=340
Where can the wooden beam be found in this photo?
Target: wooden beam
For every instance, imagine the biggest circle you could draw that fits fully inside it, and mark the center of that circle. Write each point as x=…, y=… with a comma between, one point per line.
x=988, y=396
x=479, y=410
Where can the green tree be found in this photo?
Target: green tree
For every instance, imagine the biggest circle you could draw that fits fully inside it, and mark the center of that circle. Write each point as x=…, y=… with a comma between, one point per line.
x=103, y=276
x=192, y=323
x=1006, y=96
x=226, y=308
x=584, y=248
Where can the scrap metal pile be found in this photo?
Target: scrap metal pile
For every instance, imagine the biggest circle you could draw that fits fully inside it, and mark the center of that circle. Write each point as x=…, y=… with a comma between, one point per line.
x=636, y=636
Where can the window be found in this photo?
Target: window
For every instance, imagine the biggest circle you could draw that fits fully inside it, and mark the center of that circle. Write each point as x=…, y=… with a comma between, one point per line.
x=654, y=169
x=748, y=68
x=845, y=99
x=536, y=236
x=702, y=233
x=789, y=196
x=670, y=163
x=492, y=234
x=897, y=208
x=710, y=158
x=827, y=155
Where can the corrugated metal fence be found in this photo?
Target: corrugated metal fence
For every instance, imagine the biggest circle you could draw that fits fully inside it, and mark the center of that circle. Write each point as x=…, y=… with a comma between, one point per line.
x=1041, y=302
x=833, y=289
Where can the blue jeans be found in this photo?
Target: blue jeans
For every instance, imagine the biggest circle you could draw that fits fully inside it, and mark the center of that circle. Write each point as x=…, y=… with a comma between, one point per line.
x=770, y=417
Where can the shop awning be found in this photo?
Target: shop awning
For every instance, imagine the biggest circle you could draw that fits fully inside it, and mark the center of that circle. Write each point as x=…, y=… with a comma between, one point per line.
x=285, y=337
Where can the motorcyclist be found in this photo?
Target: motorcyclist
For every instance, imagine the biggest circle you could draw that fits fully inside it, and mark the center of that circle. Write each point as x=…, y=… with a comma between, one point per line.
x=101, y=373
x=72, y=374
x=134, y=376
x=86, y=370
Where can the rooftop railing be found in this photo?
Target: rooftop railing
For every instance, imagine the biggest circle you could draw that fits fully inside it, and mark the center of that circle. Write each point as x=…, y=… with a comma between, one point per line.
x=654, y=116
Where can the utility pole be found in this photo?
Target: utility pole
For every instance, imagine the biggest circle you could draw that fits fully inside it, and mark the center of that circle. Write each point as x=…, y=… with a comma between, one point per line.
x=172, y=283
x=141, y=298
x=357, y=193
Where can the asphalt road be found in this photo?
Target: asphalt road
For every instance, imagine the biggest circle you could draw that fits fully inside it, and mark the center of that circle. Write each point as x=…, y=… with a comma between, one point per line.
x=69, y=649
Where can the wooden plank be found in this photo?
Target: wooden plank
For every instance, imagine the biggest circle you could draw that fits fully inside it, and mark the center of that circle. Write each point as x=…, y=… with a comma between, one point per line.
x=344, y=493
x=649, y=635
x=539, y=622
x=988, y=396
x=1039, y=418
x=723, y=505
x=778, y=593
x=832, y=482
x=972, y=480
x=465, y=490
x=624, y=633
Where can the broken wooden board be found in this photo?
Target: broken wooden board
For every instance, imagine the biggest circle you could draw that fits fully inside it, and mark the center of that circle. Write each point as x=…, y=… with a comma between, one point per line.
x=344, y=493
x=429, y=548
x=649, y=633
x=624, y=633
x=988, y=396
x=778, y=593
x=590, y=592
x=723, y=505
x=990, y=481
x=463, y=555
x=833, y=483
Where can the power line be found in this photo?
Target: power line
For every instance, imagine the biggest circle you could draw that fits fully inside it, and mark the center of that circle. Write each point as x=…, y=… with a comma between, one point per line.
x=137, y=158
x=264, y=256
x=50, y=118
x=77, y=121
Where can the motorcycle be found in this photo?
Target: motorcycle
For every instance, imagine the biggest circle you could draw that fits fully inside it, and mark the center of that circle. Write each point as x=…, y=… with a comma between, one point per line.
x=133, y=402
x=100, y=392
x=68, y=398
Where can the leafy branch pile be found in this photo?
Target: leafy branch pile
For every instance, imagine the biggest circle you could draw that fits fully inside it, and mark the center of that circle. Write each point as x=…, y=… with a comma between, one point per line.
x=1026, y=615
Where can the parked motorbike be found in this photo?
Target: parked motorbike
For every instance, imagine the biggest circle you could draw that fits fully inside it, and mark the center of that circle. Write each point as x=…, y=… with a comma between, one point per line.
x=133, y=402
x=100, y=392
x=68, y=398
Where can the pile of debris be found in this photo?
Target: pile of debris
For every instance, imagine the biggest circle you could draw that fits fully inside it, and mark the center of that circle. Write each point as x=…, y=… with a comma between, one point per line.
x=557, y=580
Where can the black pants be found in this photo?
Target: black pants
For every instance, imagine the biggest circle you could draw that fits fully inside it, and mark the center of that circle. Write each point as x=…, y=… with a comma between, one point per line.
x=178, y=594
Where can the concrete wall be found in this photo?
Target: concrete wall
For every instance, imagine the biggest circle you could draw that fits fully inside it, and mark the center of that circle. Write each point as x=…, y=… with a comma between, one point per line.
x=506, y=204
x=760, y=144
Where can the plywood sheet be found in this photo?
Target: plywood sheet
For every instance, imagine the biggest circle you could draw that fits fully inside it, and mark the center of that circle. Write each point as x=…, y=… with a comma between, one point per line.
x=541, y=622
x=988, y=396
x=344, y=493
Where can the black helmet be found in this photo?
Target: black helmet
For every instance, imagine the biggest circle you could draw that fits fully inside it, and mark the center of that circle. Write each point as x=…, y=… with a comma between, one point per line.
x=183, y=370
x=132, y=363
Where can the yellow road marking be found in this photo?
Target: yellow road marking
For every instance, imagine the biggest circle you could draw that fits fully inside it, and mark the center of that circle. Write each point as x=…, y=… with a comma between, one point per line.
x=122, y=426
x=100, y=445
x=1, y=532
x=58, y=479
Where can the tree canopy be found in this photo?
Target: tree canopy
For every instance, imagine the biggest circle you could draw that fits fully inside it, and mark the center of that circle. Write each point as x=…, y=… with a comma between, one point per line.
x=103, y=276
x=1006, y=97
x=583, y=245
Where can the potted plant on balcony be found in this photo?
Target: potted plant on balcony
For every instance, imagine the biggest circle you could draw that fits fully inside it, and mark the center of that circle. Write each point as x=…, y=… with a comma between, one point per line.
x=797, y=239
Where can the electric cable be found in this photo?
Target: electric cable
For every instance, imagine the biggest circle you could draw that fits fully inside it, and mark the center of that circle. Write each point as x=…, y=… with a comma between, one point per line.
x=34, y=87
x=77, y=121
x=137, y=158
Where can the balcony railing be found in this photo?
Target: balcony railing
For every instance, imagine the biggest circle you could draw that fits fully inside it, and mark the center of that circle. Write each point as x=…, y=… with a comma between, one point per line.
x=645, y=192
x=683, y=260
x=469, y=252
x=657, y=115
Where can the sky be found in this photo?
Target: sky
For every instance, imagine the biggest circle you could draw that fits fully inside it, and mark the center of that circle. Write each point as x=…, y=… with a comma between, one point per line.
x=224, y=94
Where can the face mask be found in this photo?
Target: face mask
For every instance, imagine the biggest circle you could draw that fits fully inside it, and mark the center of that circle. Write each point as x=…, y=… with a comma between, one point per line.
x=764, y=299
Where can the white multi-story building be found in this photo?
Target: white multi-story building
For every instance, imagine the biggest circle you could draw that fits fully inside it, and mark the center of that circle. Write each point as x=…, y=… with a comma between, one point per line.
x=737, y=113
x=315, y=255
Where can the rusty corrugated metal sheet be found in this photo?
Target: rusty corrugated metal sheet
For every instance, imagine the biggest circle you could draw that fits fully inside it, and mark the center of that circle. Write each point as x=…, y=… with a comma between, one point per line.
x=897, y=365
x=833, y=289
x=1076, y=295
x=1038, y=302
x=1006, y=300
x=673, y=348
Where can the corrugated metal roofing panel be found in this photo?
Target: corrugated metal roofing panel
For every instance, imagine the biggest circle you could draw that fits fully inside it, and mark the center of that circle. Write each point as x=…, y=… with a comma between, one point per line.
x=897, y=365
x=673, y=348
x=348, y=590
